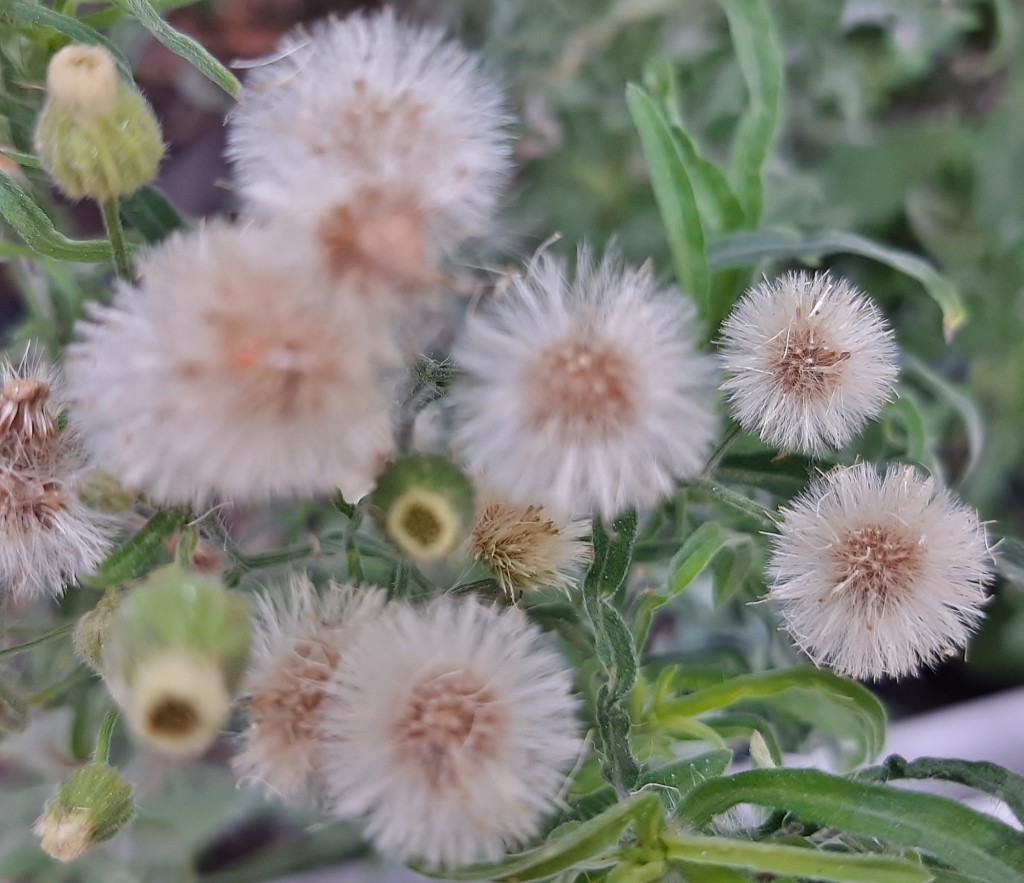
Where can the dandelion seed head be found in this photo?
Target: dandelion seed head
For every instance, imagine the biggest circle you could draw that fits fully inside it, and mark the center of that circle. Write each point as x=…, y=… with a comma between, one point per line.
x=587, y=395
x=879, y=575
x=232, y=371
x=299, y=639
x=811, y=360
x=448, y=731
x=370, y=104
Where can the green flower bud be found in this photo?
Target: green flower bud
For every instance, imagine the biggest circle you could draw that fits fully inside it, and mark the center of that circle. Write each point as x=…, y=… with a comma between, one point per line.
x=425, y=505
x=89, y=806
x=177, y=648
x=93, y=630
x=103, y=492
x=96, y=135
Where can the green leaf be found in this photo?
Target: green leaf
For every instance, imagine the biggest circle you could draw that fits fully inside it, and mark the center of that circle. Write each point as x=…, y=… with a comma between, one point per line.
x=757, y=51
x=981, y=775
x=744, y=505
x=744, y=248
x=814, y=694
x=970, y=414
x=182, y=45
x=720, y=210
x=134, y=557
x=149, y=212
x=674, y=195
x=581, y=844
x=673, y=781
x=777, y=858
x=966, y=840
x=38, y=231
x=780, y=476
x=37, y=15
x=696, y=553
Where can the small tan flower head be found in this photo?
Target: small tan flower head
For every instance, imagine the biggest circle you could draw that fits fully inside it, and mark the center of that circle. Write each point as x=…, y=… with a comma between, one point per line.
x=526, y=548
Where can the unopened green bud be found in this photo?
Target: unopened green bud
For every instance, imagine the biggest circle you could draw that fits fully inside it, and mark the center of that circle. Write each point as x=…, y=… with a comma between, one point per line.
x=89, y=806
x=177, y=649
x=92, y=632
x=425, y=505
x=102, y=491
x=96, y=135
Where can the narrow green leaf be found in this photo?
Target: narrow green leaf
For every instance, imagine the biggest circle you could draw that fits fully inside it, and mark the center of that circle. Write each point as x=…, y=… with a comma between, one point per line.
x=693, y=557
x=131, y=560
x=38, y=232
x=777, y=858
x=25, y=160
x=991, y=778
x=37, y=15
x=578, y=846
x=720, y=210
x=745, y=248
x=149, y=212
x=819, y=687
x=964, y=405
x=182, y=45
x=966, y=840
x=674, y=195
x=673, y=781
x=755, y=511
x=757, y=51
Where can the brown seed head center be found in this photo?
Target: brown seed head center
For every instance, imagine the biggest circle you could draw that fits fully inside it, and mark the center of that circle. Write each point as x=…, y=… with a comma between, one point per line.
x=173, y=716
x=581, y=387
x=287, y=702
x=516, y=542
x=449, y=720
x=877, y=563
x=23, y=411
x=806, y=364
x=387, y=244
x=28, y=505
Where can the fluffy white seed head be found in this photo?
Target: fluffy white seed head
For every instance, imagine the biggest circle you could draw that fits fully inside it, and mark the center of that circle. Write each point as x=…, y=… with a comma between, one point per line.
x=448, y=731
x=526, y=549
x=585, y=396
x=811, y=360
x=47, y=535
x=386, y=132
x=879, y=575
x=232, y=371
x=299, y=639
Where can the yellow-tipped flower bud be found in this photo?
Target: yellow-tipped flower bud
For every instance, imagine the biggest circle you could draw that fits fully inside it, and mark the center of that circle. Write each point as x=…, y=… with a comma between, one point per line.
x=425, y=505
x=176, y=649
x=96, y=135
x=89, y=806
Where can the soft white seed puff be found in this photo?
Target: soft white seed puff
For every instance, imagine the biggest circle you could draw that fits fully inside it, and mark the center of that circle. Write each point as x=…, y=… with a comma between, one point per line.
x=811, y=360
x=47, y=535
x=299, y=640
x=879, y=575
x=372, y=121
x=448, y=730
x=587, y=396
x=232, y=371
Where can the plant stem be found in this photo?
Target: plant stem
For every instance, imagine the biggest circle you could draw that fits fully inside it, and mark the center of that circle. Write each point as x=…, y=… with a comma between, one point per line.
x=723, y=448
x=101, y=753
x=53, y=635
x=111, y=211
